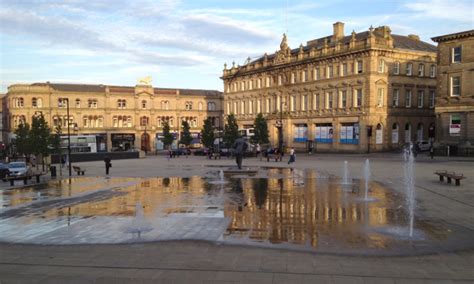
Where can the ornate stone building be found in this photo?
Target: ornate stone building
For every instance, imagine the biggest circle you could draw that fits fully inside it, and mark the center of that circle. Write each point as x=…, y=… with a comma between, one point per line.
x=340, y=93
x=455, y=100
x=122, y=118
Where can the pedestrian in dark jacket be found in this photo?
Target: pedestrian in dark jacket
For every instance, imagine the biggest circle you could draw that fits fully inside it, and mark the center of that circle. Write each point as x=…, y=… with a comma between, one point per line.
x=108, y=165
x=239, y=150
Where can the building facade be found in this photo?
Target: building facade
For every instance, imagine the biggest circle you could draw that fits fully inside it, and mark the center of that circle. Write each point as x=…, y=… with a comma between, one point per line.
x=122, y=118
x=372, y=90
x=455, y=102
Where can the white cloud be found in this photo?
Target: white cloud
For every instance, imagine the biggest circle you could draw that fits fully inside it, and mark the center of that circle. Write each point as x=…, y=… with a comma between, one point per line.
x=444, y=9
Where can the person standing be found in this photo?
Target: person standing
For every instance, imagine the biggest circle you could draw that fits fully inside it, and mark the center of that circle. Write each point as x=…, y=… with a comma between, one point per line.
x=239, y=150
x=292, y=156
x=108, y=164
x=257, y=151
x=431, y=151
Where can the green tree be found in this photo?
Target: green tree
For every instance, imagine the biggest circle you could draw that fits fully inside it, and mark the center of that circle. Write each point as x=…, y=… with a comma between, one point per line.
x=231, y=130
x=260, y=130
x=186, y=137
x=22, y=140
x=167, y=136
x=207, y=133
x=40, y=137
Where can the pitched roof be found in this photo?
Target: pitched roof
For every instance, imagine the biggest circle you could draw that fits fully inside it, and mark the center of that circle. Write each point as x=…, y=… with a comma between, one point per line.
x=453, y=36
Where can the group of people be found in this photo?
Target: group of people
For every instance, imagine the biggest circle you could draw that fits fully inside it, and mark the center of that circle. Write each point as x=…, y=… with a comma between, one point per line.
x=240, y=146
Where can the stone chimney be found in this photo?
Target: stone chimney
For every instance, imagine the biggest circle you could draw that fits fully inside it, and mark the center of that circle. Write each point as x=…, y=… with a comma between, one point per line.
x=414, y=37
x=338, y=28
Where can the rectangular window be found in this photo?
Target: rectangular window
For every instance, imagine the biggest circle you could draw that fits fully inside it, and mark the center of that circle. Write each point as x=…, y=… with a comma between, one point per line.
x=380, y=97
x=358, y=98
x=329, y=100
x=421, y=70
x=455, y=86
x=407, y=98
x=250, y=107
x=343, y=102
x=396, y=68
x=432, y=98
x=259, y=106
x=455, y=125
x=324, y=133
x=316, y=102
x=242, y=107
x=409, y=69
x=304, y=102
x=228, y=108
x=381, y=66
x=433, y=71
x=292, y=103
x=395, y=96
x=456, y=54
x=301, y=133
x=267, y=82
x=349, y=133
x=344, y=69
x=421, y=94
x=318, y=74
x=359, y=66
x=293, y=78
x=330, y=72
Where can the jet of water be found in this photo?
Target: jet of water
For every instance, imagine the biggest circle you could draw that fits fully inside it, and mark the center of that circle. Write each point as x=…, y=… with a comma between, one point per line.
x=409, y=174
x=367, y=178
x=345, y=179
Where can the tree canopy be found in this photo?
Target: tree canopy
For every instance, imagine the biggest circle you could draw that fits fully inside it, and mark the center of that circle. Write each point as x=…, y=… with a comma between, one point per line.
x=231, y=130
x=186, y=137
x=22, y=140
x=167, y=136
x=40, y=136
x=260, y=130
x=207, y=133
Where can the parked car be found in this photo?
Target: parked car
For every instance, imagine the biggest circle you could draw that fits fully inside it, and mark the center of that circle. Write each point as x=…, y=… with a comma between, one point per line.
x=4, y=171
x=424, y=146
x=180, y=152
x=19, y=168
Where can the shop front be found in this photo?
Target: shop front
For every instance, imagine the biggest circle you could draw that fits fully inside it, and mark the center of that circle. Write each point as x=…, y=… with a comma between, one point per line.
x=123, y=142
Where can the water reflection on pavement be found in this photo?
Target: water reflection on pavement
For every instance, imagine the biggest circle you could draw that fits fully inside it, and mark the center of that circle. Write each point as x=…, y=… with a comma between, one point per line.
x=297, y=209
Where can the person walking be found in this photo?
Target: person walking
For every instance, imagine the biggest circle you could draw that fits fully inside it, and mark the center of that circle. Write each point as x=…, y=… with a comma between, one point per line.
x=431, y=151
x=108, y=165
x=239, y=150
x=292, y=156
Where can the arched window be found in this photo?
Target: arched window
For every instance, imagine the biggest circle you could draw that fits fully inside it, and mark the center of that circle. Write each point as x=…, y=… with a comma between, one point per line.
x=211, y=106
x=395, y=133
x=409, y=70
x=121, y=104
x=92, y=103
x=34, y=102
x=200, y=106
x=419, y=132
x=144, y=121
x=144, y=104
x=189, y=105
x=20, y=102
x=78, y=103
x=129, y=121
x=165, y=105
x=407, y=133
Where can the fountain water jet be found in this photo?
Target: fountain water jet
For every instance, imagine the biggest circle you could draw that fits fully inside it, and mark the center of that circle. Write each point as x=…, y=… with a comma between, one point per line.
x=367, y=178
x=345, y=178
x=139, y=224
x=409, y=173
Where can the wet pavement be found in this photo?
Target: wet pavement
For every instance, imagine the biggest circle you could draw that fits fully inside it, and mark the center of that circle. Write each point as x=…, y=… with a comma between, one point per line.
x=295, y=209
x=322, y=238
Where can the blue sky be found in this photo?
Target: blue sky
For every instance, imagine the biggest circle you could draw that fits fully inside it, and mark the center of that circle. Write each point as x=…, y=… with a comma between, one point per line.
x=184, y=44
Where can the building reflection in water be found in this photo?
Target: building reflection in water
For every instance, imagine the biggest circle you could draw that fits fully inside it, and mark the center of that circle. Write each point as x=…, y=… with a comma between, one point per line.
x=295, y=207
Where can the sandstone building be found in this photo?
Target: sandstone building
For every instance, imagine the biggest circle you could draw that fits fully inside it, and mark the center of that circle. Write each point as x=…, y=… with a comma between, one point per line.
x=455, y=101
x=340, y=92
x=122, y=118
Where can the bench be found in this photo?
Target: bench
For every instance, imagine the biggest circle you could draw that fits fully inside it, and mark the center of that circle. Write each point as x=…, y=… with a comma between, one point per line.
x=78, y=170
x=450, y=176
x=274, y=156
x=25, y=178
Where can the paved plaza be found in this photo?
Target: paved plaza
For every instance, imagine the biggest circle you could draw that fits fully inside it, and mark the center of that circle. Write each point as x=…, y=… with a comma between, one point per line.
x=191, y=261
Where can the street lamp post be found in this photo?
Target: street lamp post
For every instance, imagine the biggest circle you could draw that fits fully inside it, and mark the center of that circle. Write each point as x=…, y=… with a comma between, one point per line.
x=68, y=134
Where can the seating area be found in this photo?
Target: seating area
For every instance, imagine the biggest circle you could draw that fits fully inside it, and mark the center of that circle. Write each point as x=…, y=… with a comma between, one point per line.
x=450, y=176
x=25, y=178
x=78, y=170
